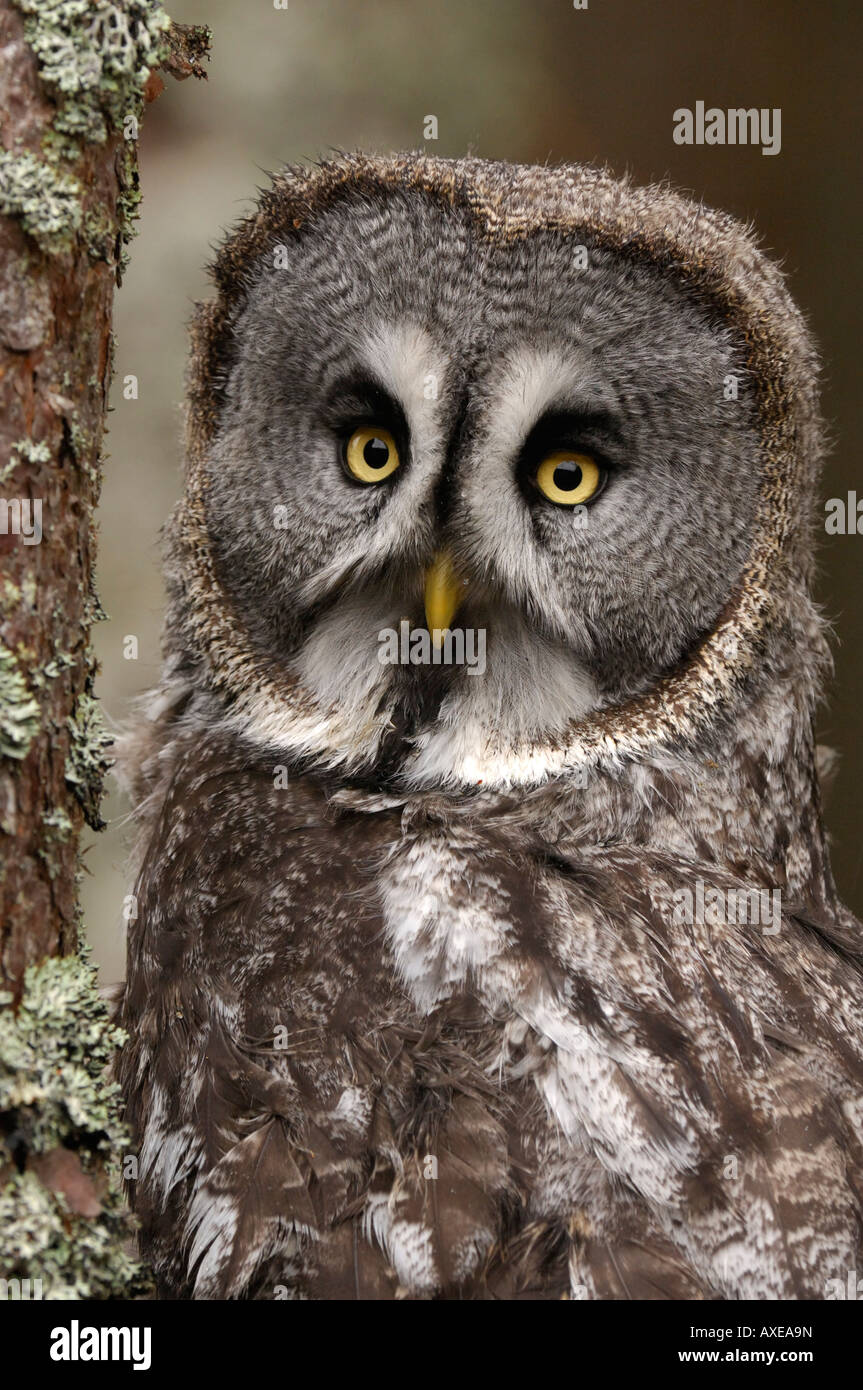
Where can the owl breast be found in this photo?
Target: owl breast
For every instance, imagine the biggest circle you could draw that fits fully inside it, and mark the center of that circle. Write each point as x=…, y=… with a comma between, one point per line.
x=387, y=1049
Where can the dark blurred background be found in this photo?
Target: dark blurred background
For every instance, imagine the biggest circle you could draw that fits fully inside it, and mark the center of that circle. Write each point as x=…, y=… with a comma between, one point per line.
x=524, y=80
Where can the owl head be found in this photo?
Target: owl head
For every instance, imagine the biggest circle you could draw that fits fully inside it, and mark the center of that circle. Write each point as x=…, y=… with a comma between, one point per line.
x=571, y=421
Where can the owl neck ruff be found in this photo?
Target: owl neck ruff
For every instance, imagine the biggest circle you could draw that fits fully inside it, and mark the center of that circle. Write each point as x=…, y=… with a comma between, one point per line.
x=707, y=251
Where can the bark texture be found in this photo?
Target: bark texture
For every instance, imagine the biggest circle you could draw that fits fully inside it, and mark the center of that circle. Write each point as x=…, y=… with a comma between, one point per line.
x=59, y=256
x=73, y=82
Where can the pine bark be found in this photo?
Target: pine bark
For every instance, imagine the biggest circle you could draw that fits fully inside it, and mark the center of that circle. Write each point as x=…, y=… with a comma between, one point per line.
x=73, y=83
x=55, y=370
x=68, y=204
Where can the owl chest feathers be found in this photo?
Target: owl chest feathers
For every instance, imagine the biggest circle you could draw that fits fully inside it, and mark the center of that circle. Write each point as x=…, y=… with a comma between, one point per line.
x=503, y=992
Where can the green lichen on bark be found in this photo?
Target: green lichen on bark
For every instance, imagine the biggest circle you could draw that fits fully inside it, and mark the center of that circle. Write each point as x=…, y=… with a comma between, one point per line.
x=128, y=201
x=94, y=57
x=33, y=450
x=19, y=711
x=88, y=762
x=72, y=1257
x=44, y=200
x=54, y=1049
x=61, y=1114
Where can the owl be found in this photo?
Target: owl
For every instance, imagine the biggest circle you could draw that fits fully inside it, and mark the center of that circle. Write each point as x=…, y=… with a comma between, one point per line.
x=486, y=944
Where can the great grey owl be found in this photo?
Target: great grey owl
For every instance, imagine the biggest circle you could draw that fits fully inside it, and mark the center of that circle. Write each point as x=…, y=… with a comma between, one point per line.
x=486, y=944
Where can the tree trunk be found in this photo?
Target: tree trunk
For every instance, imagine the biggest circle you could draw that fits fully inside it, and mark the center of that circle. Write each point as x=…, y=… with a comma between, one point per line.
x=72, y=89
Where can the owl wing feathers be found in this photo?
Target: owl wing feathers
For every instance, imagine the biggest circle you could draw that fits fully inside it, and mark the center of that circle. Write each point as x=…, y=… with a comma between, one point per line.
x=254, y=1196
x=761, y=1198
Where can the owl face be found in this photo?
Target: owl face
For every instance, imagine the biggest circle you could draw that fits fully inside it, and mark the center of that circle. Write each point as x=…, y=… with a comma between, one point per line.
x=539, y=440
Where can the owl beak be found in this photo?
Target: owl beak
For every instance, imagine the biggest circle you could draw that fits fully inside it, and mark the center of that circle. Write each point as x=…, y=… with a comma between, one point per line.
x=444, y=591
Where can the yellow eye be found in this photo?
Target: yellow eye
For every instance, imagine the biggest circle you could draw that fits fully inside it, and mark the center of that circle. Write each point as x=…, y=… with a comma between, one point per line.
x=568, y=478
x=371, y=454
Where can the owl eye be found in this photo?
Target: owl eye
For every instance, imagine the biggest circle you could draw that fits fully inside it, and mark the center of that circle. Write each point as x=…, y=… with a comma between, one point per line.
x=569, y=478
x=371, y=454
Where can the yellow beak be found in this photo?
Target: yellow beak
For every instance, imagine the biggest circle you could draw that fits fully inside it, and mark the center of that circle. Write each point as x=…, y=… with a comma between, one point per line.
x=443, y=593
